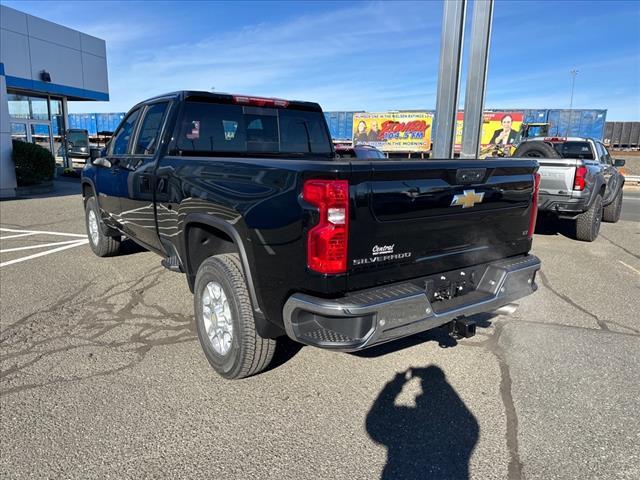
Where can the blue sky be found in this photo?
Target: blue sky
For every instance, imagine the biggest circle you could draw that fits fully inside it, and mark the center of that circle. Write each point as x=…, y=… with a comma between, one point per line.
x=358, y=55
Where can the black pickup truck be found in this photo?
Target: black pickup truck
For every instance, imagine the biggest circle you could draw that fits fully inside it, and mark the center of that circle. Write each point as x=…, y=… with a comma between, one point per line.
x=278, y=236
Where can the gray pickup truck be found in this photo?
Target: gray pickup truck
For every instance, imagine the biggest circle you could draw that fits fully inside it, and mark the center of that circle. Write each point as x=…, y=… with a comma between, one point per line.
x=578, y=181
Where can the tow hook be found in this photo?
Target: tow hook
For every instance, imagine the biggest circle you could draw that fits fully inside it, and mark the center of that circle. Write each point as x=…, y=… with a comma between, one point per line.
x=462, y=328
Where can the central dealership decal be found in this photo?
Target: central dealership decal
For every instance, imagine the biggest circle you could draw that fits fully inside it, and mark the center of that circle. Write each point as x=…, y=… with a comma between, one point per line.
x=376, y=250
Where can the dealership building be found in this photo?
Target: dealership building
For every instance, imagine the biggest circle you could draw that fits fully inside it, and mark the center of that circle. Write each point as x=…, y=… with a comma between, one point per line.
x=43, y=65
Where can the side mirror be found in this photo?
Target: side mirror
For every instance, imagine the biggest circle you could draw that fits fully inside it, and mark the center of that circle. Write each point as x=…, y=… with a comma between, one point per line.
x=97, y=159
x=619, y=162
x=102, y=162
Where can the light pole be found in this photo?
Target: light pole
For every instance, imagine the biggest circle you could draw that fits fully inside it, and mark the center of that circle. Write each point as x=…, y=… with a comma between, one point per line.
x=574, y=73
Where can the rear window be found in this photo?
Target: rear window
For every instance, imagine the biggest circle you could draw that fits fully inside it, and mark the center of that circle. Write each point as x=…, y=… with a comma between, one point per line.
x=210, y=128
x=345, y=153
x=361, y=153
x=580, y=150
x=369, y=153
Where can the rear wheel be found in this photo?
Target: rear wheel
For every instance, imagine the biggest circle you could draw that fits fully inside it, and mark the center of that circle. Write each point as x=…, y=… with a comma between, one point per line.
x=224, y=320
x=611, y=213
x=588, y=223
x=537, y=149
x=102, y=245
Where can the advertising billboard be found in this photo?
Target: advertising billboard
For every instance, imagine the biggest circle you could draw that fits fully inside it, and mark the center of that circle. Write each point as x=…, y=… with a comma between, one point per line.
x=497, y=128
x=394, y=131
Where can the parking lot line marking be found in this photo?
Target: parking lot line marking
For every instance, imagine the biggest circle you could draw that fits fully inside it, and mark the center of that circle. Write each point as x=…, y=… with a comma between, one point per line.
x=42, y=254
x=6, y=237
x=629, y=266
x=40, y=245
x=35, y=232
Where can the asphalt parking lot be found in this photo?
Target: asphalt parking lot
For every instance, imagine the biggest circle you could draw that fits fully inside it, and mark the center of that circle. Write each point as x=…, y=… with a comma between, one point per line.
x=102, y=375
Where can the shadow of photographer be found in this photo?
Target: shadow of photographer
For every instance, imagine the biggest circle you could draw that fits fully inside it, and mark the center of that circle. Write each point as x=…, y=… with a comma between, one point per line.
x=434, y=439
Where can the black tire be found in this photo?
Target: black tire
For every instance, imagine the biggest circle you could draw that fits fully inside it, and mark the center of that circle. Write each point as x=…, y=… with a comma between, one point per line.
x=611, y=213
x=103, y=245
x=535, y=149
x=248, y=353
x=588, y=223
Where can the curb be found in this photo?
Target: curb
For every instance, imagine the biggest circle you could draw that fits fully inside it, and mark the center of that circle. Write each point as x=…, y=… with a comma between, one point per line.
x=35, y=189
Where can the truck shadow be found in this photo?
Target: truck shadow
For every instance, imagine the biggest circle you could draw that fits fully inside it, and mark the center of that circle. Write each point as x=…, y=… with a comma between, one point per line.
x=551, y=225
x=286, y=348
x=434, y=439
x=129, y=247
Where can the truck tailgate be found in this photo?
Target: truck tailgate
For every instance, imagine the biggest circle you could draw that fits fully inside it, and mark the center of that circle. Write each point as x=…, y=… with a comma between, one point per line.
x=415, y=218
x=557, y=175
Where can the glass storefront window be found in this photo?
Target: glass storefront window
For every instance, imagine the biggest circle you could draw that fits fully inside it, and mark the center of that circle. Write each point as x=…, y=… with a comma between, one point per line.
x=43, y=122
x=34, y=108
x=57, y=126
x=23, y=106
x=39, y=108
x=41, y=135
x=19, y=131
x=18, y=106
x=55, y=107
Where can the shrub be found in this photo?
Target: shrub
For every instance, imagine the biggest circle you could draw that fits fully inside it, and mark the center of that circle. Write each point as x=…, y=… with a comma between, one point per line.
x=34, y=164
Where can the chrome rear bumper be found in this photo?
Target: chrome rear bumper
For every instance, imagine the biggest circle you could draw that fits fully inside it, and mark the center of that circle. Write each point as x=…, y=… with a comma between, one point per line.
x=373, y=316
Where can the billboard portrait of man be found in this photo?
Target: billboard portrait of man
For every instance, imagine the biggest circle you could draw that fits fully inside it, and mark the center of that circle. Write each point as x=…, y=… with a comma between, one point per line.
x=505, y=135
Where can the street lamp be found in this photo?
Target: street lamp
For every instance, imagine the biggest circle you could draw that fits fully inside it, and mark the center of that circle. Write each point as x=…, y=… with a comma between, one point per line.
x=574, y=73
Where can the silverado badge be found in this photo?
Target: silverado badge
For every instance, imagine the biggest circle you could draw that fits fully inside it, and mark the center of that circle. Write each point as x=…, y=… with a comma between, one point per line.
x=468, y=199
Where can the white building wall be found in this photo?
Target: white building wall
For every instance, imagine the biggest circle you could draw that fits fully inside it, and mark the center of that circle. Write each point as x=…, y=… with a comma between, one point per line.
x=7, y=170
x=77, y=63
x=31, y=44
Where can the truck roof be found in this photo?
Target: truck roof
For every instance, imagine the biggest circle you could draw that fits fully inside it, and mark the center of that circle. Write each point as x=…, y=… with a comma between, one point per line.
x=236, y=98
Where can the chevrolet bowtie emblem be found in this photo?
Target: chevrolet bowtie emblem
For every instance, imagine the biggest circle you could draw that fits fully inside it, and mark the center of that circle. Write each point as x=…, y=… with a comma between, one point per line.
x=468, y=199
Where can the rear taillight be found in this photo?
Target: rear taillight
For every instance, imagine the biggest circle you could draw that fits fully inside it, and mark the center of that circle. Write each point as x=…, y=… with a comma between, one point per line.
x=260, y=101
x=579, y=180
x=534, y=204
x=327, y=241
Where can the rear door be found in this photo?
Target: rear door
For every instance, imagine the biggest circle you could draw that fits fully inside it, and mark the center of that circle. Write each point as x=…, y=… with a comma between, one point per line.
x=416, y=218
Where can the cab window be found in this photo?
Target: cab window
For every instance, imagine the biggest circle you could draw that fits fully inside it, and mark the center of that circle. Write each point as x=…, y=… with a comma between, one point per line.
x=604, y=154
x=122, y=138
x=574, y=149
x=149, y=135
